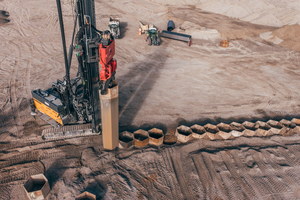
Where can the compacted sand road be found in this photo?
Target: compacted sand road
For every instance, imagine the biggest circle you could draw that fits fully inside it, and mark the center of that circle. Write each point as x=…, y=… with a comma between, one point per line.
x=253, y=78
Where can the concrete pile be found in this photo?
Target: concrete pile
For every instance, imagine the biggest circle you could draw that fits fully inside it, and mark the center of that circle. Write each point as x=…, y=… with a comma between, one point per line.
x=221, y=131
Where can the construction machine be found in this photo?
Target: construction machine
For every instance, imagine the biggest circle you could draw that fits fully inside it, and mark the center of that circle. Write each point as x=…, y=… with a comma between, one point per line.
x=151, y=33
x=152, y=36
x=114, y=27
x=76, y=102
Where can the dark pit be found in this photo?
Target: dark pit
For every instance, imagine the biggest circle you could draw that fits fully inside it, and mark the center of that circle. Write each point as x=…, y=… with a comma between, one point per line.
x=183, y=130
x=214, y=131
x=155, y=135
x=140, y=137
x=37, y=187
x=198, y=129
x=126, y=139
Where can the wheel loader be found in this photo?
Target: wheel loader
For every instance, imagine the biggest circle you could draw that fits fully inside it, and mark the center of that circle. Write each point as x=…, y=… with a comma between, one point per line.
x=152, y=36
x=114, y=27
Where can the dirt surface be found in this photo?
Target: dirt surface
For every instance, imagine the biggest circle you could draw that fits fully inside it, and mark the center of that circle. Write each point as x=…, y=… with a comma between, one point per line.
x=160, y=86
x=244, y=168
x=163, y=86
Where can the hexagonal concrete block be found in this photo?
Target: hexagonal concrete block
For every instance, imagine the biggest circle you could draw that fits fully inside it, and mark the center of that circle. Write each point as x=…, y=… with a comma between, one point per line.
x=184, y=134
x=37, y=187
x=288, y=123
x=86, y=196
x=125, y=140
x=141, y=138
x=224, y=127
x=236, y=134
x=211, y=128
x=209, y=136
x=262, y=125
x=293, y=131
x=249, y=125
x=221, y=135
x=170, y=139
x=237, y=127
x=275, y=124
x=198, y=131
x=260, y=132
x=248, y=133
x=276, y=131
x=156, y=137
x=296, y=121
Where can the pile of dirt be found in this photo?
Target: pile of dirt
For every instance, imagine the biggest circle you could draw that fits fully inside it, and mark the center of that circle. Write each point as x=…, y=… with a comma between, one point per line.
x=290, y=36
x=4, y=17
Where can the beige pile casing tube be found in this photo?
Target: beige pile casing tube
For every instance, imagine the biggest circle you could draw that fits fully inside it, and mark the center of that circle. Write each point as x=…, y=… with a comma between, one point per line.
x=110, y=118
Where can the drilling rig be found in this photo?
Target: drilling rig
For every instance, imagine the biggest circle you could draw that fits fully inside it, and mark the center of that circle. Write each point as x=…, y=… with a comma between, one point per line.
x=76, y=103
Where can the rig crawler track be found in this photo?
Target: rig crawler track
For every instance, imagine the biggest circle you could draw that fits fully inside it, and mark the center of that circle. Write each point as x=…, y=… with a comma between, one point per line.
x=257, y=161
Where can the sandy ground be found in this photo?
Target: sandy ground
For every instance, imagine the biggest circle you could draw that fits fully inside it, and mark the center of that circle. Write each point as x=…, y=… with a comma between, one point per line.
x=256, y=77
x=169, y=84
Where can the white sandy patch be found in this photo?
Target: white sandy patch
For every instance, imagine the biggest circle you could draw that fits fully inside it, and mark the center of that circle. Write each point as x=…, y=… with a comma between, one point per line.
x=268, y=36
x=264, y=12
x=198, y=32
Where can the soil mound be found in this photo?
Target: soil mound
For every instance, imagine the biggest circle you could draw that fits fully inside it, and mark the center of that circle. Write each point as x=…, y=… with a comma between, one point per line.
x=4, y=17
x=290, y=36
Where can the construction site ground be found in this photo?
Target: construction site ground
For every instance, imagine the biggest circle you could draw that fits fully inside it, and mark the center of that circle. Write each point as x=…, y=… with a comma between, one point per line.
x=255, y=78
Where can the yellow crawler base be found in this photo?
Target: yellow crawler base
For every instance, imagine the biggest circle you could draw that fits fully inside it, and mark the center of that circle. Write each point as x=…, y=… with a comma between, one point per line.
x=47, y=111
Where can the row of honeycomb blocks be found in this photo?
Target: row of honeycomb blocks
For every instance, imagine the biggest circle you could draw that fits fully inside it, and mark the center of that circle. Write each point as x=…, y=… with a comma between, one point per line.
x=222, y=131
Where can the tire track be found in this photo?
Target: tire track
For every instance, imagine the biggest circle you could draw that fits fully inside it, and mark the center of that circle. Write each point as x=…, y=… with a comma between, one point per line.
x=246, y=190
x=27, y=72
x=26, y=157
x=243, y=171
x=175, y=188
x=3, y=136
x=161, y=172
x=296, y=153
x=275, y=185
x=284, y=154
x=185, y=188
x=13, y=82
x=277, y=168
x=23, y=173
x=5, y=192
x=204, y=176
x=216, y=179
x=138, y=178
x=234, y=190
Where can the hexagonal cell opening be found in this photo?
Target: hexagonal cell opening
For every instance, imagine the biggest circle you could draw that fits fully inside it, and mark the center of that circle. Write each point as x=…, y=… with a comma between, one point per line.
x=249, y=125
x=156, y=133
x=184, y=130
x=211, y=128
x=237, y=126
x=126, y=137
x=275, y=124
x=198, y=129
x=37, y=186
x=288, y=123
x=141, y=135
x=224, y=127
x=262, y=125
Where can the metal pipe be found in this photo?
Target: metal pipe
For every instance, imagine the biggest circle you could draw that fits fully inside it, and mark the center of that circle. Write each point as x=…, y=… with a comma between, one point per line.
x=71, y=45
x=61, y=22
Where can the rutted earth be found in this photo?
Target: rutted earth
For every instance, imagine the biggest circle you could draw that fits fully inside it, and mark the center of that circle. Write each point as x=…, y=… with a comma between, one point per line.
x=255, y=78
x=244, y=168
